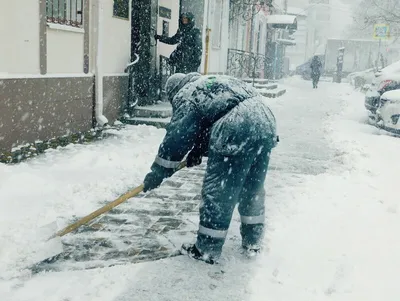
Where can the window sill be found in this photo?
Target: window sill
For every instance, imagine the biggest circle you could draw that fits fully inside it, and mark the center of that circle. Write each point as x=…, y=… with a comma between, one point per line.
x=120, y=18
x=65, y=28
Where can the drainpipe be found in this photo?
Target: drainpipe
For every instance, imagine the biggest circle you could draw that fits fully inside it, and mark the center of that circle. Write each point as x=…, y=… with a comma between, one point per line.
x=99, y=105
x=208, y=29
x=207, y=50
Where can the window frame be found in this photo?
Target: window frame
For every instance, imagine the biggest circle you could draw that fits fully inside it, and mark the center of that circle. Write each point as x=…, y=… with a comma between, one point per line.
x=126, y=6
x=62, y=12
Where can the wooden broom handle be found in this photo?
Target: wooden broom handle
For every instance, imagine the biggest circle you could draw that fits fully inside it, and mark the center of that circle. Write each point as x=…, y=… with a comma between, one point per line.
x=108, y=207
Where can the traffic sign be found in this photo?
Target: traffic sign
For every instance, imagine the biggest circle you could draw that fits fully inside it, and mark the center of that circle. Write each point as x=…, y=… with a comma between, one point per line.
x=381, y=31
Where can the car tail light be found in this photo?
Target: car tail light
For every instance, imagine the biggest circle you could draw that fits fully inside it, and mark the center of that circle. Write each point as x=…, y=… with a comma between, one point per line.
x=384, y=84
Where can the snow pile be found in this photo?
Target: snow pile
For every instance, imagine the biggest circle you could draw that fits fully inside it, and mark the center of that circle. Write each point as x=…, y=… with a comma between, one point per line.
x=332, y=231
x=337, y=237
x=68, y=182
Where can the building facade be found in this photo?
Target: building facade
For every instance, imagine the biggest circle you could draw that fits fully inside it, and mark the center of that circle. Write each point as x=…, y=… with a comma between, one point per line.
x=297, y=53
x=49, y=63
x=63, y=63
x=319, y=25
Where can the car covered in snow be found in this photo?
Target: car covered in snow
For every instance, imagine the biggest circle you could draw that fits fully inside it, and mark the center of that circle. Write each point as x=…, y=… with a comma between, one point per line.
x=388, y=112
x=387, y=79
x=360, y=79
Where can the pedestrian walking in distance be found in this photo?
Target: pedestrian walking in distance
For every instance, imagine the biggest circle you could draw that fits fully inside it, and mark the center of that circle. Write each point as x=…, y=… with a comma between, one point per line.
x=316, y=67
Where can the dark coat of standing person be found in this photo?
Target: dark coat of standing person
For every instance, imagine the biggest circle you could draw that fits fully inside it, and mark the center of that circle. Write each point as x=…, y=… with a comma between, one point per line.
x=186, y=57
x=316, y=67
x=228, y=121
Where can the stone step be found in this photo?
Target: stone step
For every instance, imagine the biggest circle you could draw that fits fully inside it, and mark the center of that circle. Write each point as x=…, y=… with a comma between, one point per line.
x=159, y=110
x=273, y=93
x=266, y=86
x=157, y=122
x=262, y=81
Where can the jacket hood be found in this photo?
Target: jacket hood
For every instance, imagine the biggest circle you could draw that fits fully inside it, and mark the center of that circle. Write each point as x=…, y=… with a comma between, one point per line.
x=179, y=84
x=191, y=23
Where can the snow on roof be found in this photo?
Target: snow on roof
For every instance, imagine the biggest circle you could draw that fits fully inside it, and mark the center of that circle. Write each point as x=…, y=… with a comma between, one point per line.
x=281, y=19
x=286, y=42
x=296, y=11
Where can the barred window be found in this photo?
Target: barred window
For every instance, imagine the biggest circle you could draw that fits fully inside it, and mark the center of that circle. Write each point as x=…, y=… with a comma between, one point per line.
x=65, y=12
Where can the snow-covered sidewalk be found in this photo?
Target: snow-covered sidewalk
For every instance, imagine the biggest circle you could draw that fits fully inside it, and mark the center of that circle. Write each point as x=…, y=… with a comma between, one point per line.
x=333, y=213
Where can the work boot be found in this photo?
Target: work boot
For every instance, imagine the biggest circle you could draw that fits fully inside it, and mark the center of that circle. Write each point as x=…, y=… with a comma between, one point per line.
x=193, y=252
x=251, y=250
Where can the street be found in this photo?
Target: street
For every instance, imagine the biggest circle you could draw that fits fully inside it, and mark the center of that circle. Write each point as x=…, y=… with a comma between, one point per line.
x=332, y=214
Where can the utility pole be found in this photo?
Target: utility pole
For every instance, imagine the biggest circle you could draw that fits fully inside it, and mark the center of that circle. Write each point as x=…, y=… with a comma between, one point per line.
x=285, y=5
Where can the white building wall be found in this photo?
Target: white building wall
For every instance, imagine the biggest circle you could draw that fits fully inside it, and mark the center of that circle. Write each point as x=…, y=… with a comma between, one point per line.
x=297, y=54
x=64, y=50
x=217, y=19
x=115, y=41
x=19, y=32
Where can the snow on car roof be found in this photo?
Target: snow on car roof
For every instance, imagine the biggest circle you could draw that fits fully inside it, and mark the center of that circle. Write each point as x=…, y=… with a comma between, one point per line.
x=395, y=67
x=393, y=95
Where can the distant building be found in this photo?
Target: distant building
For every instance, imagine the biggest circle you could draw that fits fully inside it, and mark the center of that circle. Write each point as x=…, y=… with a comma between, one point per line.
x=318, y=25
x=297, y=53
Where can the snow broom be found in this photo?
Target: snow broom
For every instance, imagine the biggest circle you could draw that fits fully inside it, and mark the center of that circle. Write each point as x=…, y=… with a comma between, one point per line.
x=53, y=242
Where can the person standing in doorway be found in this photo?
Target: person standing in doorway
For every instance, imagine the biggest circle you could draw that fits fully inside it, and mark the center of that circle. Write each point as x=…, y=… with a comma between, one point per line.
x=186, y=57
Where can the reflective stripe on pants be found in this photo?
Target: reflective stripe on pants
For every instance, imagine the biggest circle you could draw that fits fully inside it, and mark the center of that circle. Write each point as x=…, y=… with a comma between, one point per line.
x=212, y=233
x=252, y=220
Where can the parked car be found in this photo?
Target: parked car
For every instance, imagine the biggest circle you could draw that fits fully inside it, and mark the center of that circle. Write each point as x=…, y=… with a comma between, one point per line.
x=360, y=79
x=385, y=80
x=388, y=113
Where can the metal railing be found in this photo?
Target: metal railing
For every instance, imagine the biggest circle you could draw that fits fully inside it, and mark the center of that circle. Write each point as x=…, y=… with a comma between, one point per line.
x=165, y=71
x=65, y=12
x=242, y=64
x=132, y=99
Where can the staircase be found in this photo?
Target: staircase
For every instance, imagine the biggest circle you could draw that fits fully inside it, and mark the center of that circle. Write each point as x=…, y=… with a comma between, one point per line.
x=266, y=88
x=159, y=115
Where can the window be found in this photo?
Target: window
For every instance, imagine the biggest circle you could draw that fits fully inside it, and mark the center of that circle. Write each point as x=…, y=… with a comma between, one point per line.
x=121, y=9
x=66, y=12
x=165, y=28
x=217, y=24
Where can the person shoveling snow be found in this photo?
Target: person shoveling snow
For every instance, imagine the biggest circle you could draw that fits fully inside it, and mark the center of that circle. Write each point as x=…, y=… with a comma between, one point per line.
x=224, y=119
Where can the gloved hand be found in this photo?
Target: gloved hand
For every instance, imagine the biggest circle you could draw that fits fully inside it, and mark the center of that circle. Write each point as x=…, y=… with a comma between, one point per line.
x=157, y=37
x=154, y=178
x=193, y=159
x=152, y=181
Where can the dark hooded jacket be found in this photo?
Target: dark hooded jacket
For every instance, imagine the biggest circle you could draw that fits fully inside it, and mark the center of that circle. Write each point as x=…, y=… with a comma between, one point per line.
x=200, y=102
x=315, y=66
x=187, y=55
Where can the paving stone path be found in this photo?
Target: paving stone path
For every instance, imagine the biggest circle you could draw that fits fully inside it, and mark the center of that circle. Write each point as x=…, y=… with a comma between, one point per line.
x=148, y=227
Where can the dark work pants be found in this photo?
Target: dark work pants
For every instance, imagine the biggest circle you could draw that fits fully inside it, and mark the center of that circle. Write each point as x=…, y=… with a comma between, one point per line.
x=235, y=177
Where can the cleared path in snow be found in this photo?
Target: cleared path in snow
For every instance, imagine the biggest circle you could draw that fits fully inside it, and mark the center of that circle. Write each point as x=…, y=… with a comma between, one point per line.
x=332, y=212
x=301, y=115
